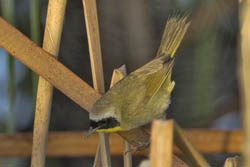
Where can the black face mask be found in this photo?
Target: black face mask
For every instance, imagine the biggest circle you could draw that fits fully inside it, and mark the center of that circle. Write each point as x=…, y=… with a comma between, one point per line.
x=104, y=123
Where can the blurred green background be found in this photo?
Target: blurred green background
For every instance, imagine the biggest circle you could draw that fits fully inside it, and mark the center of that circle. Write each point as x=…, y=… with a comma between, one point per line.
x=206, y=73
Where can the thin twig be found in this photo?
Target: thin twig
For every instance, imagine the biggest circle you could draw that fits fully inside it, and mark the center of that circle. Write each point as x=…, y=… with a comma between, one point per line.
x=92, y=26
x=8, y=13
x=119, y=74
x=91, y=21
x=35, y=35
x=51, y=43
x=245, y=79
x=127, y=156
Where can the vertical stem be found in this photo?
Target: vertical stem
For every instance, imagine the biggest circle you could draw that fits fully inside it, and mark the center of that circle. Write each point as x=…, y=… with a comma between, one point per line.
x=35, y=36
x=11, y=94
x=35, y=21
x=91, y=21
x=206, y=58
x=245, y=80
x=51, y=43
x=8, y=10
x=92, y=26
x=8, y=7
x=127, y=157
x=162, y=143
x=119, y=74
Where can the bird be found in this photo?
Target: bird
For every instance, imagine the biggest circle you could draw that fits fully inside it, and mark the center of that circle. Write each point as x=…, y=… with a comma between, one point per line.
x=144, y=94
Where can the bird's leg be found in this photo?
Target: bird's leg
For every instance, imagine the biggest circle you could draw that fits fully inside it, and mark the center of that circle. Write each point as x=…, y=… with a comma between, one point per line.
x=142, y=146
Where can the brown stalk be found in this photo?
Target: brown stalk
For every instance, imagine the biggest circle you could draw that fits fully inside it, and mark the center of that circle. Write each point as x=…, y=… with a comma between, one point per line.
x=51, y=43
x=91, y=20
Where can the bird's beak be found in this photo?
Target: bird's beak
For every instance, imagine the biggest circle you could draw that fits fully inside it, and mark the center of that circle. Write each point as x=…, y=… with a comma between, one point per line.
x=91, y=131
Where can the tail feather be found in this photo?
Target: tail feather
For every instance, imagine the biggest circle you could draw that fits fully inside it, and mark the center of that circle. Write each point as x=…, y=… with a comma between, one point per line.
x=174, y=32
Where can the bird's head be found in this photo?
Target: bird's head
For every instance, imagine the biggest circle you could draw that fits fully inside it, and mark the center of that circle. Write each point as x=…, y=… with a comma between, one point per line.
x=103, y=118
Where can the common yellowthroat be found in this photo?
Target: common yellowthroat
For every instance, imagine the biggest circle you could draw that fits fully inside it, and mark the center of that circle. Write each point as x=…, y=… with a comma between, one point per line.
x=145, y=93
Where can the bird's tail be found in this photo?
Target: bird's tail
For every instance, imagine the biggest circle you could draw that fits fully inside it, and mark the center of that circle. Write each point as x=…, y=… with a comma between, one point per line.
x=174, y=32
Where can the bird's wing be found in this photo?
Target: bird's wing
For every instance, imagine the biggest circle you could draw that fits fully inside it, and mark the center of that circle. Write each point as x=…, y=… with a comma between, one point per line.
x=142, y=86
x=161, y=69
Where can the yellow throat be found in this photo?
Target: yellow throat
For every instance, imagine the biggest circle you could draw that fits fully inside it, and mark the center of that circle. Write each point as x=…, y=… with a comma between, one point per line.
x=110, y=130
